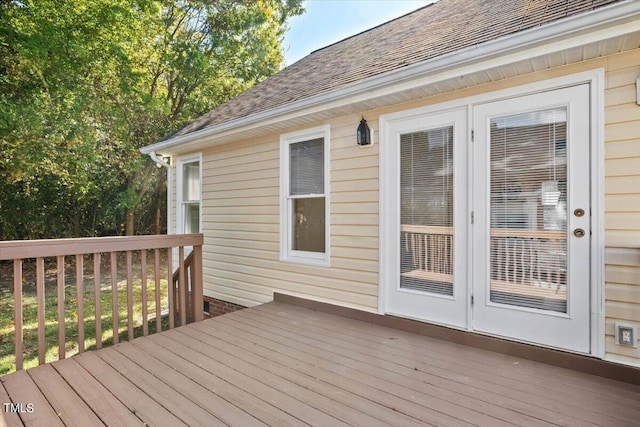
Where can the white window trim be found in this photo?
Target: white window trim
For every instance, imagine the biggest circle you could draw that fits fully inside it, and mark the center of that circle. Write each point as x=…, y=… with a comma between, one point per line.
x=286, y=253
x=179, y=196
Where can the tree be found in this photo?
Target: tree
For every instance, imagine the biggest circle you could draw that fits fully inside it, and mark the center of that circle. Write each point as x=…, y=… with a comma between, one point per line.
x=85, y=83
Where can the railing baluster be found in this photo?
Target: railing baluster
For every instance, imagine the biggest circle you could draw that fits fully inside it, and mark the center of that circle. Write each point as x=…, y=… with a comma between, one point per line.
x=522, y=263
x=80, y=289
x=129, y=295
x=157, y=290
x=143, y=278
x=17, y=310
x=189, y=287
x=182, y=287
x=537, y=245
x=170, y=294
x=549, y=260
x=62, y=345
x=40, y=299
x=97, y=295
x=114, y=297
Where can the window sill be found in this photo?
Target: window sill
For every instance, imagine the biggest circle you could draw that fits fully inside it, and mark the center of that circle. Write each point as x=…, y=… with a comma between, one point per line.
x=318, y=262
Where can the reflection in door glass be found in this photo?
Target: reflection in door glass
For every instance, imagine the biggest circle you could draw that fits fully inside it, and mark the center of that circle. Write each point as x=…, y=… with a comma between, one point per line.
x=529, y=210
x=426, y=211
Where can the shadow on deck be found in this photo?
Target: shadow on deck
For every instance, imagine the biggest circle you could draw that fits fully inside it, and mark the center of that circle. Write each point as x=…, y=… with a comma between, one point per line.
x=280, y=364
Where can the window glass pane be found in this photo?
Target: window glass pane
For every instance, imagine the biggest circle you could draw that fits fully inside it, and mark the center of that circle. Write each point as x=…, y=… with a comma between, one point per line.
x=426, y=211
x=529, y=210
x=191, y=181
x=306, y=174
x=309, y=224
x=192, y=218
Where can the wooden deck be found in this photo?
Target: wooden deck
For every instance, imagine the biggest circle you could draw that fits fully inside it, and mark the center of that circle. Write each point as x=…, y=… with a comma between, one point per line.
x=278, y=364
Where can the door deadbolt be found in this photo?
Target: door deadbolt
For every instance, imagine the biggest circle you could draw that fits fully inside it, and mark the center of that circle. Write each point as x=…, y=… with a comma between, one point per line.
x=578, y=232
x=579, y=212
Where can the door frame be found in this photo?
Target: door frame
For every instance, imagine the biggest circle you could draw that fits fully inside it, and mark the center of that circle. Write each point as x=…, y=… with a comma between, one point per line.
x=596, y=80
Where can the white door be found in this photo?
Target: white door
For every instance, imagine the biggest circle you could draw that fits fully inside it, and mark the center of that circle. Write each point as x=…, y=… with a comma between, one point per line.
x=426, y=162
x=531, y=232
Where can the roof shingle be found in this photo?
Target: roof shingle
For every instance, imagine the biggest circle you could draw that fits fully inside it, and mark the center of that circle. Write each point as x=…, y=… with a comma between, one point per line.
x=432, y=31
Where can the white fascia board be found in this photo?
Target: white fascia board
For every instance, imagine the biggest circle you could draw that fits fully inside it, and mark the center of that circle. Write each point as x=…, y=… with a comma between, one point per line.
x=610, y=21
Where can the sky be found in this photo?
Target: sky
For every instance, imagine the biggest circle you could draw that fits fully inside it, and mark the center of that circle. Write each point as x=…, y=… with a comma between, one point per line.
x=328, y=21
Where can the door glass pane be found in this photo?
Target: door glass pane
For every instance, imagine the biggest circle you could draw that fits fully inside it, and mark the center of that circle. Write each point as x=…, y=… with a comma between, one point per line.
x=529, y=210
x=426, y=211
x=309, y=224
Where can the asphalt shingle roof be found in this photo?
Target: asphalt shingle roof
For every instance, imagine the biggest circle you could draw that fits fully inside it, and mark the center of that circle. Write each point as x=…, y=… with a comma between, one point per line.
x=432, y=31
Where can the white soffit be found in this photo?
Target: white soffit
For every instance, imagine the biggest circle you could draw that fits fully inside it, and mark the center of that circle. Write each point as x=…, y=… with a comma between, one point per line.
x=395, y=87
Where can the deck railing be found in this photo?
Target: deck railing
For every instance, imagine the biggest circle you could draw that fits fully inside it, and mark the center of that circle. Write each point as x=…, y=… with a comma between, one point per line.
x=180, y=288
x=526, y=262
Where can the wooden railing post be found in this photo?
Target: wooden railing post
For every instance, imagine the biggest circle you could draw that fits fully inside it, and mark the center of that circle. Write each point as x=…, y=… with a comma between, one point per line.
x=182, y=288
x=196, y=284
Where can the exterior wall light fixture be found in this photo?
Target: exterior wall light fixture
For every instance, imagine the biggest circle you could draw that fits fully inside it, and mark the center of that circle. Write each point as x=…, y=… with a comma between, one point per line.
x=365, y=136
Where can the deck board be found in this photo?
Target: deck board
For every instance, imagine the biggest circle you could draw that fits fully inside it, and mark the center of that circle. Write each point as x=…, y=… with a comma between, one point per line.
x=168, y=396
x=257, y=408
x=554, y=396
x=109, y=409
x=254, y=385
x=316, y=400
x=260, y=357
x=411, y=377
x=11, y=419
x=353, y=365
x=278, y=364
x=23, y=390
x=73, y=411
x=134, y=399
x=171, y=375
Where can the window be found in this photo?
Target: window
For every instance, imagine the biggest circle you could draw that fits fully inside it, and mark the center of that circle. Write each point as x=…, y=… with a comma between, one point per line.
x=188, y=188
x=304, y=189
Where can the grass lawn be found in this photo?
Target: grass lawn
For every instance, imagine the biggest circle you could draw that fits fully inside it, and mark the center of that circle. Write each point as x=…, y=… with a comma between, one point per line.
x=29, y=306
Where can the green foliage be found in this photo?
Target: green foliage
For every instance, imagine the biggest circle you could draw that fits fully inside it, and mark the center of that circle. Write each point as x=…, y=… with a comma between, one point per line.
x=85, y=83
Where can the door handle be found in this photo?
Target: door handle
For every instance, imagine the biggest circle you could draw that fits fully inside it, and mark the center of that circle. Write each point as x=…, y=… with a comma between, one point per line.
x=578, y=232
x=579, y=212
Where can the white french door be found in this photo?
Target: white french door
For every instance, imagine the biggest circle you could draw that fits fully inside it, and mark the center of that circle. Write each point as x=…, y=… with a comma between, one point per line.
x=492, y=235
x=427, y=162
x=531, y=203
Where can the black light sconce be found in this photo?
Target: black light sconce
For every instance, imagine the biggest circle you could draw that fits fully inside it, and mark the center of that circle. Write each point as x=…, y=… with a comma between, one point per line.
x=365, y=136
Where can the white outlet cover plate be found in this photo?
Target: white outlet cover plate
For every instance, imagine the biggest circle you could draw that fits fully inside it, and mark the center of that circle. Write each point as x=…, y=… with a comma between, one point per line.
x=621, y=328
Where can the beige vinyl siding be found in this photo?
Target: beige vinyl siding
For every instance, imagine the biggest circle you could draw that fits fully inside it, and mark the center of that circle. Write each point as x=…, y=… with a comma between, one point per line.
x=241, y=208
x=622, y=202
x=241, y=225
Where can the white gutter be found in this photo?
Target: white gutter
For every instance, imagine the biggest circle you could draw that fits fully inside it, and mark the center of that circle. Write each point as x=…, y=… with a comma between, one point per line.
x=609, y=21
x=158, y=160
